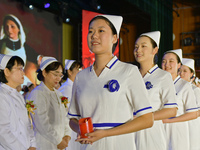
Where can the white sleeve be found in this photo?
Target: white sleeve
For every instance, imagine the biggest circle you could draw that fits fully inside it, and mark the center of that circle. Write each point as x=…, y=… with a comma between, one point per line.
x=137, y=93
x=73, y=108
x=197, y=95
x=168, y=93
x=189, y=98
x=41, y=119
x=7, y=139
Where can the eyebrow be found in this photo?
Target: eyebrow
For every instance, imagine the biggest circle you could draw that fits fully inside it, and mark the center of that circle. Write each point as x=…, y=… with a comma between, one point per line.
x=98, y=27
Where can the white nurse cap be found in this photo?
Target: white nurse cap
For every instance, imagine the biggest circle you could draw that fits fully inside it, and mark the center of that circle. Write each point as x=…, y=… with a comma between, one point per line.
x=115, y=20
x=46, y=61
x=4, y=60
x=189, y=63
x=155, y=35
x=68, y=63
x=178, y=52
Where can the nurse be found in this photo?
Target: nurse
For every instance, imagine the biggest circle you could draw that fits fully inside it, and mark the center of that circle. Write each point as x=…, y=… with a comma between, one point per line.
x=15, y=128
x=52, y=129
x=72, y=67
x=161, y=92
x=177, y=129
x=109, y=92
x=187, y=73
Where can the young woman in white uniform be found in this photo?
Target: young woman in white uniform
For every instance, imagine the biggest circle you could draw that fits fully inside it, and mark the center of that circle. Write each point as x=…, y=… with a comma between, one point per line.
x=72, y=67
x=109, y=91
x=161, y=92
x=187, y=72
x=15, y=127
x=177, y=130
x=51, y=124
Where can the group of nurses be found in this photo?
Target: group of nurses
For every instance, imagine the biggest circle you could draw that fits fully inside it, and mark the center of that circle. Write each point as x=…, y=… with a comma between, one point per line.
x=160, y=89
x=109, y=92
x=15, y=128
x=187, y=72
x=177, y=128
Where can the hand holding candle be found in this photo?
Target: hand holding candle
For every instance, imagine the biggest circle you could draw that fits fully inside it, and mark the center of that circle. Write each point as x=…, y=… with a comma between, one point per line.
x=86, y=126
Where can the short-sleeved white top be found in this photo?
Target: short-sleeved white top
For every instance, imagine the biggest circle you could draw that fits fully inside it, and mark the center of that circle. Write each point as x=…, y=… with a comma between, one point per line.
x=160, y=88
x=197, y=95
x=186, y=98
x=91, y=98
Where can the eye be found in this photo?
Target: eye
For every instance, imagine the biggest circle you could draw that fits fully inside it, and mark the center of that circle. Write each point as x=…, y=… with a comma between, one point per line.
x=101, y=30
x=90, y=31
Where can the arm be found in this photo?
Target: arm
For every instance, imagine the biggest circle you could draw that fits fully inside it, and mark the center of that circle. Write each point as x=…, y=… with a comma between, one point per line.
x=165, y=113
x=141, y=122
x=184, y=117
x=7, y=138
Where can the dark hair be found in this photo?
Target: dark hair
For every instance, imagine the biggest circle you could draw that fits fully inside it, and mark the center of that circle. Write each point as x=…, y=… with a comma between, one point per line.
x=12, y=19
x=74, y=65
x=154, y=45
x=114, y=31
x=9, y=65
x=51, y=67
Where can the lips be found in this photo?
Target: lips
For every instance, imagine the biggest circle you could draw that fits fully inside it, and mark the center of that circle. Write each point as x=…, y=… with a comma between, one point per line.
x=95, y=43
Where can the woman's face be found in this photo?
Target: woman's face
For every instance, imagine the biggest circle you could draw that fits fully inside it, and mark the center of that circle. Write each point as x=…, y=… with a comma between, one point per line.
x=144, y=50
x=185, y=73
x=11, y=29
x=100, y=38
x=52, y=78
x=72, y=74
x=170, y=63
x=15, y=76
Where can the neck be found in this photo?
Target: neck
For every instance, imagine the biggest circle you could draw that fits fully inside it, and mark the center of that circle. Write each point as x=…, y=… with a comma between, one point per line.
x=12, y=85
x=174, y=76
x=145, y=67
x=49, y=86
x=101, y=61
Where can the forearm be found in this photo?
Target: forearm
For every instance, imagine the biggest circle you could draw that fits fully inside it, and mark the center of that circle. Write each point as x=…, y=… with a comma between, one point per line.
x=184, y=117
x=139, y=123
x=165, y=113
x=73, y=123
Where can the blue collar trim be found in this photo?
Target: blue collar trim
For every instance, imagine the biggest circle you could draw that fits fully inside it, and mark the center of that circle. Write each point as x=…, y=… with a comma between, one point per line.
x=113, y=63
x=177, y=80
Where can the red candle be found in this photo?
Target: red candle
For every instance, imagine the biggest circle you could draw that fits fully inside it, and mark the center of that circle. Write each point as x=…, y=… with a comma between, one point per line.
x=86, y=126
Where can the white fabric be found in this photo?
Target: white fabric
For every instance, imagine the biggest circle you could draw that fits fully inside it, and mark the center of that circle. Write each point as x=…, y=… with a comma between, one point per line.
x=162, y=95
x=178, y=52
x=115, y=20
x=189, y=63
x=4, y=60
x=178, y=133
x=51, y=123
x=46, y=61
x=194, y=125
x=66, y=90
x=90, y=98
x=15, y=127
x=155, y=35
x=68, y=63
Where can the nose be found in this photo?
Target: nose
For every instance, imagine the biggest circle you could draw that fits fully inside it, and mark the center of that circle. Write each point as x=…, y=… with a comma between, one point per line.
x=94, y=35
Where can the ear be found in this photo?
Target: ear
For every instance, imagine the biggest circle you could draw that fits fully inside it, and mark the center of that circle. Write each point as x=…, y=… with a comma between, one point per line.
x=191, y=75
x=6, y=72
x=179, y=65
x=114, y=39
x=155, y=50
x=69, y=72
x=44, y=73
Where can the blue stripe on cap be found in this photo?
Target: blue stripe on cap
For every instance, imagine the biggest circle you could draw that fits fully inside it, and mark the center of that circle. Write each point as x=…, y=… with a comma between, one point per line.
x=106, y=124
x=74, y=114
x=47, y=61
x=1, y=57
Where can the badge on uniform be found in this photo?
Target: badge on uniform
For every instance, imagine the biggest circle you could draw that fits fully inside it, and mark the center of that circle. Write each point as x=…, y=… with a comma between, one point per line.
x=148, y=85
x=112, y=85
